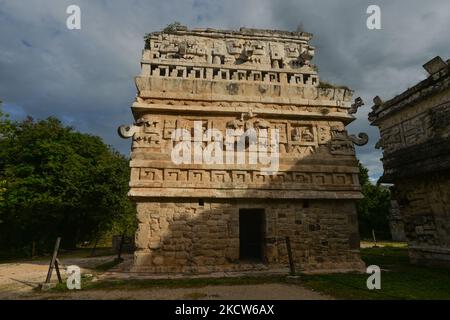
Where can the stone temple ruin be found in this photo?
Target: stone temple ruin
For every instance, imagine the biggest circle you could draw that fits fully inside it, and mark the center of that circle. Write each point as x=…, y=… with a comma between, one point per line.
x=221, y=217
x=415, y=138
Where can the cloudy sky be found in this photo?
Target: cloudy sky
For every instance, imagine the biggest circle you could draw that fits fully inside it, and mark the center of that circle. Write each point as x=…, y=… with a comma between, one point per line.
x=85, y=77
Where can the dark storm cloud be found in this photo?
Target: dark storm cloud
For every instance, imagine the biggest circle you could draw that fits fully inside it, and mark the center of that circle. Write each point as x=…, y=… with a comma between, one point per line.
x=85, y=77
x=382, y=62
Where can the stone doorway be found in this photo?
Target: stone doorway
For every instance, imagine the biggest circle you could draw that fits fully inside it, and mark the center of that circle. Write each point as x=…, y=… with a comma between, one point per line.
x=251, y=234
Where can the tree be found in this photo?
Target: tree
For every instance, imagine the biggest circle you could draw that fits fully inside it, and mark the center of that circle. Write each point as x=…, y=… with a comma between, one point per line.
x=59, y=182
x=2, y=191
x=4, y=125
x=373, y=210
x=172, y=27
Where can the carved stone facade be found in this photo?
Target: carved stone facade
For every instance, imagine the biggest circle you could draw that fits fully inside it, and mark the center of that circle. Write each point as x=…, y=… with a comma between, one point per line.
x=396, y=225
x=415, y=138
x=191, y=215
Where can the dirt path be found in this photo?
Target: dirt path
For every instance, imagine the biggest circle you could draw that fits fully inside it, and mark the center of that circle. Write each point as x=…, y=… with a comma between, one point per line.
x=17, y=281
x=23, y=276
x=244, y=292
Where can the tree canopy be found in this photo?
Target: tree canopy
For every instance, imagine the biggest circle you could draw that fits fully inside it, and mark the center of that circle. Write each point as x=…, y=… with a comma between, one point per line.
x=55, y=181
x=373, y=210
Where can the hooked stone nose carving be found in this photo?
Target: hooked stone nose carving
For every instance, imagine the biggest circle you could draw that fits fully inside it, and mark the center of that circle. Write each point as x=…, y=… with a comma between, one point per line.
x=127, y=131
x=359, y=140
x=362, y=137
x=356, y=105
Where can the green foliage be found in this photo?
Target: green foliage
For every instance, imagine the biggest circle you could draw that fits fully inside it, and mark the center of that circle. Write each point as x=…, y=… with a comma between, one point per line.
x=373, y=210
x=5, y=123
x=2, y=191
x=59, y=182
x=327, y=85
x=172, y=27
x=147, y=41
x=4, y=127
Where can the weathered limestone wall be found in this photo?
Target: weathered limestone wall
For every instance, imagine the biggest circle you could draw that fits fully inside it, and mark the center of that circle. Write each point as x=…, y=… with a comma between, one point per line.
x=183, y=236
x=425, y=205
x=415, y=138
x=396, y=224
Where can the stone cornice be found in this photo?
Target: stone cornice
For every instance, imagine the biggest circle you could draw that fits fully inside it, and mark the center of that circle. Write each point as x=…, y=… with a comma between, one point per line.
x=428, y=157
x=243, y=33
x=304, y=166
x=138, y=108
x=143, y=193
x=434, y=84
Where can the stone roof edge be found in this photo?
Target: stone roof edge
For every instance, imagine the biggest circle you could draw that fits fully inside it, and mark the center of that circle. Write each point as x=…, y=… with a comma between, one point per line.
x=431, y=80
x=267, y=33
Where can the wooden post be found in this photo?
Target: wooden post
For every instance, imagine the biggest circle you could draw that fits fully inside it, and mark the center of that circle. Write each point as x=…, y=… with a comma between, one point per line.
x=57, y=270
x=374, y=239
x=52, y=262
x=291, y=261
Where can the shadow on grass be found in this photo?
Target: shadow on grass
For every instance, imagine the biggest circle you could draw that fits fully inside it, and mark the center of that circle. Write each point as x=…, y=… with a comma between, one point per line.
x=141, y=284
x=399, y=280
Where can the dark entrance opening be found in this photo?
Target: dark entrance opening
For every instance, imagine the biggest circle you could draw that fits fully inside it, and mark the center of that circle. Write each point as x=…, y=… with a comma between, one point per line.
x=251, y=234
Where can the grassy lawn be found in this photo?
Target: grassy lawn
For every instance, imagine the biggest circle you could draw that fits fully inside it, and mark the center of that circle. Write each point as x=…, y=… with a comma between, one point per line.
x=399, y=279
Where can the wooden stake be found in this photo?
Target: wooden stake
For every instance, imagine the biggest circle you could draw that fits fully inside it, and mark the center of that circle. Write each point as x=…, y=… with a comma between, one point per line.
x=57, y=270
x=374, y=239
x=291, y=261
x=52, y=262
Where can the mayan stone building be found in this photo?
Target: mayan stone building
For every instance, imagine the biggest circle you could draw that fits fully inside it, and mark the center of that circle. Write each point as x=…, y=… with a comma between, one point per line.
x=198, y=217
x=396, y=225
x=415, y=138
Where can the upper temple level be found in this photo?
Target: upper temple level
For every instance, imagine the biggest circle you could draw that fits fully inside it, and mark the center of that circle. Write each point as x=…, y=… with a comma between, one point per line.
x=244, y=55
x=267, y=70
